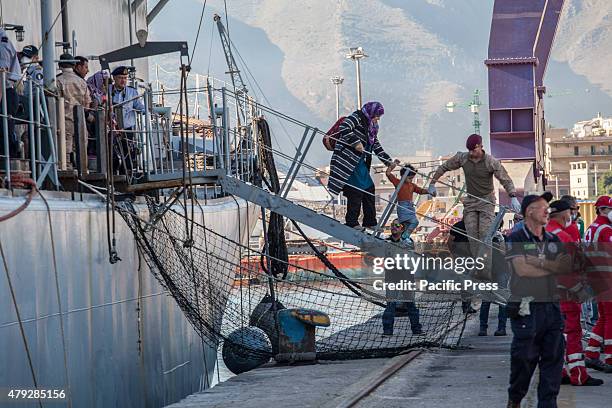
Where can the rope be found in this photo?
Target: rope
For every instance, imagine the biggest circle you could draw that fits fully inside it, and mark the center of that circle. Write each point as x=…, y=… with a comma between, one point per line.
x=195, y=43
x=59, y=301
x=22, y=331
x=29, y=196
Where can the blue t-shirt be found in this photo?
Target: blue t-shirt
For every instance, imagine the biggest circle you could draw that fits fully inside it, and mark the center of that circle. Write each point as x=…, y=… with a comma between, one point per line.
x=361, y=175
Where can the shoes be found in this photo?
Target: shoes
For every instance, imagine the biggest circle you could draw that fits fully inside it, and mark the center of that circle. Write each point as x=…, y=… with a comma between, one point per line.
x=590, y=382
x=598, y=365
x=359, y=228
x=501, y=332
x=565, y=380
x=512, y=404
x=482, y=332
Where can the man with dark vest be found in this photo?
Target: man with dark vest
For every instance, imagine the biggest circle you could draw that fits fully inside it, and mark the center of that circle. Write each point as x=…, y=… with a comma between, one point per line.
x=535, y=257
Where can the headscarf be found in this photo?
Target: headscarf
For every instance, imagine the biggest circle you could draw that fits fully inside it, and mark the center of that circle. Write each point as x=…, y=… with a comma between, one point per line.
x=371, y=110
x=95, y=83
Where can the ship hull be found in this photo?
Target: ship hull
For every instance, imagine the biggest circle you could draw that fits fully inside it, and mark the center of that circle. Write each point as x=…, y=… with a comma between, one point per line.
x=127, y=342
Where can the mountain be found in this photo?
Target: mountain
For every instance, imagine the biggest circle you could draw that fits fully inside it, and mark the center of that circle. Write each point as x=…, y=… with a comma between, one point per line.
x=422, y=54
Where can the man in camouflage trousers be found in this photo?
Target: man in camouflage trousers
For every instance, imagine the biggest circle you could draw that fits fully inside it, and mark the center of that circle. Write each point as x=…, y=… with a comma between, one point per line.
x=479, y=205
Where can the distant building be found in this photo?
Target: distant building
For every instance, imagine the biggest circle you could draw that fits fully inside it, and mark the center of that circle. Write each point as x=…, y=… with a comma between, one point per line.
x=584, y=176
x=587, y=142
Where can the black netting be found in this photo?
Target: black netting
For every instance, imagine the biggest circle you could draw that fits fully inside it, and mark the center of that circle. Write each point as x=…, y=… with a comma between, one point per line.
x=221, y=288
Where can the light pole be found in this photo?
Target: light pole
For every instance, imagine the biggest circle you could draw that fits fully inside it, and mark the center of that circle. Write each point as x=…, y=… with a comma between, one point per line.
x=337, y=81
x=356, y=54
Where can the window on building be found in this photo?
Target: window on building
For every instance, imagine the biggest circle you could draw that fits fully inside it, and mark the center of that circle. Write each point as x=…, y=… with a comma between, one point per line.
x=609, y=149
x=459, y=178
x=576, y=151
x=584, y=165
x=592, y=149
x=579, y=180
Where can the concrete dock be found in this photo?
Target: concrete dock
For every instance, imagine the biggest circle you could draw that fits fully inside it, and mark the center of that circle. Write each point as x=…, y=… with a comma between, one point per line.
x=475, y=376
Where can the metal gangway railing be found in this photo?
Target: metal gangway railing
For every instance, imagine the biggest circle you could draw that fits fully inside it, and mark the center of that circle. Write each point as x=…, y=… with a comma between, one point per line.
x=31, y=119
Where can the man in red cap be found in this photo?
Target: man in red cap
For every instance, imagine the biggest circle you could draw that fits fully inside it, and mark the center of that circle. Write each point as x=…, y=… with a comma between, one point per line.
x=574, y=370
x=599, y=268
x=479, y=205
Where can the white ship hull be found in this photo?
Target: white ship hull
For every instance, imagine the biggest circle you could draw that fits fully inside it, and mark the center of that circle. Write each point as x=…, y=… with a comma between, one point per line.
x=127, y=342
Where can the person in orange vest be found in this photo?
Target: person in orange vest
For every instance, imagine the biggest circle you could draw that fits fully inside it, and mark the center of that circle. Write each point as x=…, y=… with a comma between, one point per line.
x=599, y=268
x=574, y=370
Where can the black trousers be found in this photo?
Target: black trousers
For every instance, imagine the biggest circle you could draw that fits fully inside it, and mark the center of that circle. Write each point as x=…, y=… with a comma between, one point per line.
x=538, y=341
x=355, y=201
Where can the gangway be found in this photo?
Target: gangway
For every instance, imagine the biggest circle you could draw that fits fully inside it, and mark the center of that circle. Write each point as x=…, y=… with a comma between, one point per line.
x=321, y=222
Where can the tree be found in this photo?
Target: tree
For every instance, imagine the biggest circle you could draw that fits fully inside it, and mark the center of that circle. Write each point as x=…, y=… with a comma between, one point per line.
x=604, y=183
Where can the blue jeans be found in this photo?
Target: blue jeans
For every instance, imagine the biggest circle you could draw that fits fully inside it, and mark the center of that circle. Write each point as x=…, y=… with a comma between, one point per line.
x=484, y=316
x=406, y=214
x=388, y=316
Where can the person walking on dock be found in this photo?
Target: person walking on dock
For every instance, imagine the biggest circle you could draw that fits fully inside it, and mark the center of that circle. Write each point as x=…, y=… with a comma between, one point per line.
x=396, y=305
x=479, y=205
x=535, y=256
x=357, y=139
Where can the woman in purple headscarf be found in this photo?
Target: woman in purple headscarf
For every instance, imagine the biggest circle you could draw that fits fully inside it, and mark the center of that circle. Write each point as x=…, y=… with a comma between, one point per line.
x=97, y=88
x=351, y=160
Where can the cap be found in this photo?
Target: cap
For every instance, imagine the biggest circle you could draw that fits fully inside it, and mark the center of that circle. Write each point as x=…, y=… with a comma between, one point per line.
x=122, y=70
x=66, y=59
x=558, y=206
x=29, y=51
x=603, y=201
x=472, y=141
x=547, y=195
x=532, y=198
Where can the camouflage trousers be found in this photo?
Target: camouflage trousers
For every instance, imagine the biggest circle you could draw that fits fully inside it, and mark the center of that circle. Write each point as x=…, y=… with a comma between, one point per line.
x=478, y=216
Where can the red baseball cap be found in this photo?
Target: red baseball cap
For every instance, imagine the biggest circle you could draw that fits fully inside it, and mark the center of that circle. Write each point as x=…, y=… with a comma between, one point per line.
x=603, y=201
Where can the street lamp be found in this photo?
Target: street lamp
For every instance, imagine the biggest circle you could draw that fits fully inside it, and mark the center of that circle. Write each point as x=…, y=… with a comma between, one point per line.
x=337, y=81
x=356, y=54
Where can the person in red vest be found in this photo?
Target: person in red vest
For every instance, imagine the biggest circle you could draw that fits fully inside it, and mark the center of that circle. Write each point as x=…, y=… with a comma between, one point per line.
x=599, y=265
x=574, y=370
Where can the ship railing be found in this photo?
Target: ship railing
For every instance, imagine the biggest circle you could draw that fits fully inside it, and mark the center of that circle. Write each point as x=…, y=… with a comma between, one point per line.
x=169, y=147
x=36, y=118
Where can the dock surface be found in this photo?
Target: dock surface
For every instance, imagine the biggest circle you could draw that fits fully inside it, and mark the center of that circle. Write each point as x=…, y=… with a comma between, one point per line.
x=475, y=376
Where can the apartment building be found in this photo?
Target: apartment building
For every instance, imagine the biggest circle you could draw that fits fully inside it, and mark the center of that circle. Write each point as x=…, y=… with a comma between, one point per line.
x=587, y=142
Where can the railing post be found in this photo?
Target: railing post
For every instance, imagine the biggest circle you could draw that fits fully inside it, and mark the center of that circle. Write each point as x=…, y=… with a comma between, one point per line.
x=101, y=143
x=46, y=113
x=147, y=148
x=80, y=147
x=288, y=184
x=298, y=152
x=226, y=140
x=31, y=130
x=5, y=130
x=61, y=119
